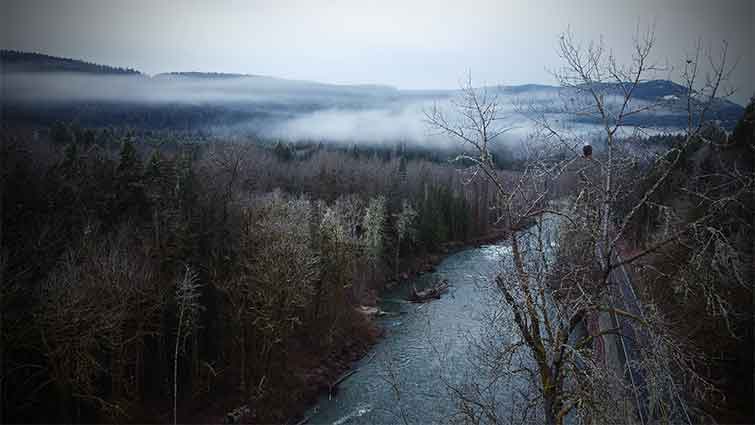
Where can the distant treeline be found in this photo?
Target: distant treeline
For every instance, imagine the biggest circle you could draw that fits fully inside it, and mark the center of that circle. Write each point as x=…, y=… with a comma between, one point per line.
x=182, y=117
x=505, y=157
x=16, y=61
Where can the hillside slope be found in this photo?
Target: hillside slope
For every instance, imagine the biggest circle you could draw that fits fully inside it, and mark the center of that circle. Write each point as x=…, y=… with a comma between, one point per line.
x=15, y=61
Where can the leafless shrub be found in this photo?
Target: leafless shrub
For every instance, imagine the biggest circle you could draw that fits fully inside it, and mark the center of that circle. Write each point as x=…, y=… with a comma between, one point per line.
x=96, y=309
x=188, y=306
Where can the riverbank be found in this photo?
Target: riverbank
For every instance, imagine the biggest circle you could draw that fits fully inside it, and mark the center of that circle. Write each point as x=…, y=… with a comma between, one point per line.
x=310, y=374
x=323, y=375
x=426, y=263
x=313, y=374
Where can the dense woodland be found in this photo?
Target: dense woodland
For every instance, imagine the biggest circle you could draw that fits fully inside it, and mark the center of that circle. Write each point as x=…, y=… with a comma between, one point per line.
x=130, y=257
x=142, y=264
x=703, y=280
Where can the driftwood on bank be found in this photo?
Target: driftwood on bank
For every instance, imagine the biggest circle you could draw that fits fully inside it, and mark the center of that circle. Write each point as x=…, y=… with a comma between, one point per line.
x=331, y=387
x=373, y=312
x=434, y=292
x=237, y=415
x=339, y=380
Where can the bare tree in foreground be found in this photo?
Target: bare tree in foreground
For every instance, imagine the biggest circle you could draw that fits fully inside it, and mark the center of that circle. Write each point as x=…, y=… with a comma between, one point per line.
x=543, y=326
x=566, y=313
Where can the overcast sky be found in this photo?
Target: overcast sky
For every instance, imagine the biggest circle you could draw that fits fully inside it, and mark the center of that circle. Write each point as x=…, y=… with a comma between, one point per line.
x=405, y=43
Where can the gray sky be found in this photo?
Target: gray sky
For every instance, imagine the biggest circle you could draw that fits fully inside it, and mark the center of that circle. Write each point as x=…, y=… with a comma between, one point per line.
x=405, y=43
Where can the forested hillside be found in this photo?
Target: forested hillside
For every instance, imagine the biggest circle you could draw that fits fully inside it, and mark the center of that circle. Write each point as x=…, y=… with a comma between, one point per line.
x=125, y=256
x=16, y=61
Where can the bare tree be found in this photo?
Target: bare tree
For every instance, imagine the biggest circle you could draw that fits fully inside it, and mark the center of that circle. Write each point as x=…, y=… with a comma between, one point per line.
x=593, y=72
x=555, y=296
x=188, y=307
x=543, y=334
x=227, y=164
x=267, y=296
x=278, y=228
x=99, y=302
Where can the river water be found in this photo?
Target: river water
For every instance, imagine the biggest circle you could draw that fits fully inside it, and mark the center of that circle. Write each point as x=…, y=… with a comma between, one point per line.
x=426, y=350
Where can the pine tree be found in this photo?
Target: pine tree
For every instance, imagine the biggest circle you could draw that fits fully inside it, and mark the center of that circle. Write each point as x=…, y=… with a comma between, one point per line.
x=129, y=164
x=61, y=133
x=404, y=228
x=130, y=187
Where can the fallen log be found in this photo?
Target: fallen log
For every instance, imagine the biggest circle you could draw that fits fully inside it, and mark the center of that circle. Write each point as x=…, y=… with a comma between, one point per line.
x=339, y=380
x=428, y=294
x=368, y=311
x=237, y=415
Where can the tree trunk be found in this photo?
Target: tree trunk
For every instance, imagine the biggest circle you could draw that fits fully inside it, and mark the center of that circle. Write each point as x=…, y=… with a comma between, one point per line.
x=175, y=370
x=551, y=411
x=398, y=250
x=607, y=202
x=242, y=385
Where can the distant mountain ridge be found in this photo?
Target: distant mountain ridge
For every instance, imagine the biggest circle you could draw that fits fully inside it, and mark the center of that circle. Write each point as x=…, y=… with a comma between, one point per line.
x=656, y=89
x=70, y=89
x=207, y=75
x=223, y=76
x=17, y=61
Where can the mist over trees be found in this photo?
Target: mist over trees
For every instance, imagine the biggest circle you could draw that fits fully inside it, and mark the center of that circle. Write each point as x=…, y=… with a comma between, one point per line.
x=40, y=90
x=188, y=242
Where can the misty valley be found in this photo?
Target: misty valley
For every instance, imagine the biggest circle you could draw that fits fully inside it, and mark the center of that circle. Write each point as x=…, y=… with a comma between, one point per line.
x=208, y=247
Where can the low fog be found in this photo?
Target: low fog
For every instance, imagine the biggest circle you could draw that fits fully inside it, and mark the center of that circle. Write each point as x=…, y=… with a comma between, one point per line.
x=306, y=111
x=172, y=88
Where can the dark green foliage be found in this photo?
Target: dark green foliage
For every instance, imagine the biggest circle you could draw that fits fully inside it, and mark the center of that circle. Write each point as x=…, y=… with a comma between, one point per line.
x=443, y=216
x=283, y=151
x=61, y=133
x=131, y=199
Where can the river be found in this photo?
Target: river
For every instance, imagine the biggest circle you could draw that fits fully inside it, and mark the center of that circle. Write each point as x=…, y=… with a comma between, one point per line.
x=405, y=378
